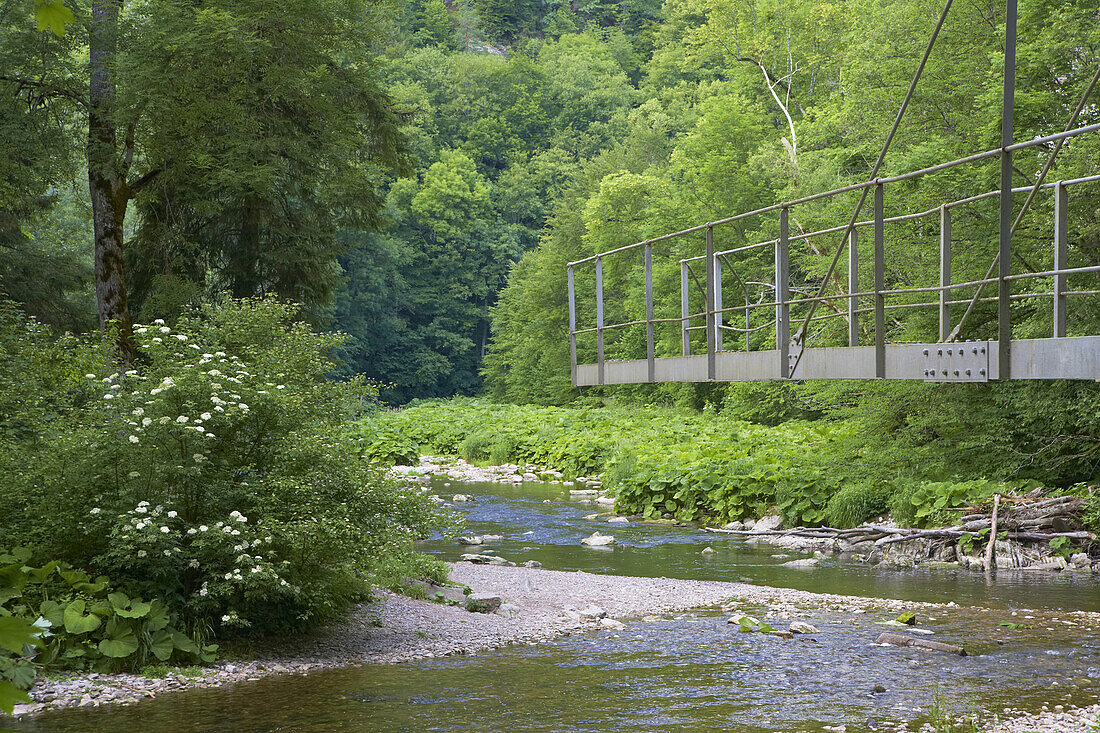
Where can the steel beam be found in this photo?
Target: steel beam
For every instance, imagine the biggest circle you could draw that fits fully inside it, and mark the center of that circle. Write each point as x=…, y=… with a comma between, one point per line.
x=572, y=326
x=685, y=334
x=945, y=273
x=649, y=345
x=599, y=319
x=783, y=295
x=1004, y=266
x=710, y=320
x=1061, y=254
x=880, y=285
x=853, y=287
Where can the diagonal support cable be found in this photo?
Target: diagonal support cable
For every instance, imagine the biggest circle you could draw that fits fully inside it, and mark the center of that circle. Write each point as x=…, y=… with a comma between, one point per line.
x=874, y=174
x=1030, y=196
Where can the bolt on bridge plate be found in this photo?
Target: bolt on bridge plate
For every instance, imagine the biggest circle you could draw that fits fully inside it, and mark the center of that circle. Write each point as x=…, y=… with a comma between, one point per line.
x=966, y=361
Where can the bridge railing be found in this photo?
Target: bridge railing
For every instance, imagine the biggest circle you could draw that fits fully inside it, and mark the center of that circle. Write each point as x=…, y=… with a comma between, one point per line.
x=792, y=357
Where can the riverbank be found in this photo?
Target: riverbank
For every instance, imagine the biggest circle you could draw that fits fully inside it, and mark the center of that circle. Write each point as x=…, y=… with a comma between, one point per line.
x=880, y=543
x=539, y=605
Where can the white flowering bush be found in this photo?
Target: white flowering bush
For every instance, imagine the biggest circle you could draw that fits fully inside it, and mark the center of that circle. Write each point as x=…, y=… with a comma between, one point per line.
x=214, y=474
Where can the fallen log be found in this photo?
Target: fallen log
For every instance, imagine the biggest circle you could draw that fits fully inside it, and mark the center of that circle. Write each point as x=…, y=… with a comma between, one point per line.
x=942, y=534
x=903, y=640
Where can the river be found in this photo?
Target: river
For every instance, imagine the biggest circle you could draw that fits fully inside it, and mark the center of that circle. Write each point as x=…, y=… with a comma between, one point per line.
x=690, y=671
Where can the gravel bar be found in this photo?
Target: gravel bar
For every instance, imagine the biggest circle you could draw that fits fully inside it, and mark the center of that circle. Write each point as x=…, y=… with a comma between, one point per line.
x=540, y=605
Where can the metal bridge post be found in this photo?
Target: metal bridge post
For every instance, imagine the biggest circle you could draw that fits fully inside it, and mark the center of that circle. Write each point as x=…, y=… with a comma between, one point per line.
x=599, y=321
x=710, y=320
x=685, y=334
x=572, y=327
x=649, y=349
x=853, y=287
x=880, y=285
x=718, y=339
x=945, y=273
x=1004, y=323
x=782, y=295
x=1061, y=255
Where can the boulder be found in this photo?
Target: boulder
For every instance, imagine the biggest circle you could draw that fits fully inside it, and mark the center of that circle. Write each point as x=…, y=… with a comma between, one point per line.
x=610, y=623
x=532, y=564
x=801, y=627
x=459, y=498
x=770, y=522
x=593, y=611
x=618, y=520
x=598, y=540
x=579, y=493
x=806, y=562
x=1079, y=560
x=606, y=500
x=530, y=477
x=733, y=525
x=486, y=559
x=483, y=602
x=491, y=538
x=475, y=540
x=707, y=551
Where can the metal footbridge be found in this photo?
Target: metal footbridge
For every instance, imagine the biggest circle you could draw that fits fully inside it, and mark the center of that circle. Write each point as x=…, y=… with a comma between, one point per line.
x=841, y=325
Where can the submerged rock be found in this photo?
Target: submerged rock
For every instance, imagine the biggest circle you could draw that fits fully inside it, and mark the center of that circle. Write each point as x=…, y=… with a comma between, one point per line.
x=707, y=551
x=806, y=562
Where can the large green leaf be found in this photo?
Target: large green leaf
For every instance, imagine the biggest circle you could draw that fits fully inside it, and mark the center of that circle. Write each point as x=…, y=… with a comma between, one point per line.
x=54, y=15
x=15, y=632
x=10, y=696
x=78, y=622
x=161, y=645
x=122, y=642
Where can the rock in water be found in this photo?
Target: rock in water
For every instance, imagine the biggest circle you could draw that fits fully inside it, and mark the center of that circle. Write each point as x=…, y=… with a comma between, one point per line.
x=806, y=562
x=598, y=540
x=532, y=564
x=707, y=551
x=459, y=498
x=610, y=623
x=470, y=540
x=485, y=559
x=801, y=627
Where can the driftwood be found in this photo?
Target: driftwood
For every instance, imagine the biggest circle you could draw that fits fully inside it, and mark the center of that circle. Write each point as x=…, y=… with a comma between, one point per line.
x=1027, y=518
x=992, y=534
x=903, y=640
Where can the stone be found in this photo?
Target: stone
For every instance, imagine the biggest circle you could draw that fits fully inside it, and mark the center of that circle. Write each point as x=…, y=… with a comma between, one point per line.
x=801, y=627
x=485, y=559
x=530, y=477
x=610, y=623
x=491, y=538
x=618, y=520
x=606, y=500
x=707, y=551
x=470, y=540
x=532, y=564
x=770, y=522
x=598, y=540
x=459, y=498
x=1079, y=560
x=806, y=562
x=733, y=525
x=583, y=492
x=781, y=634
x=439, y=593
x=483, y=602
x=593, y=611
x=878, y=689
x=509, y=610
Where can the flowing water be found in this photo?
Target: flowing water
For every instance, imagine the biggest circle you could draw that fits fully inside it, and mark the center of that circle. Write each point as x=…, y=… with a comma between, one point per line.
x=682, y=671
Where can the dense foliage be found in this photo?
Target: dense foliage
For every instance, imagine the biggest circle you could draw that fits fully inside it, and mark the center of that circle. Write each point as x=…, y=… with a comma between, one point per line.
x=211, y=478
x=691, y=465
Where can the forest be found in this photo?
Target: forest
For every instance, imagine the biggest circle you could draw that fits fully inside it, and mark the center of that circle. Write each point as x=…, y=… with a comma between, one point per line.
x=228, y=230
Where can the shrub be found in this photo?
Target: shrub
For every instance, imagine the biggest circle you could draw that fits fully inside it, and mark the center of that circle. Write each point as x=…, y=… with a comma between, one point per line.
x=216, y=475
